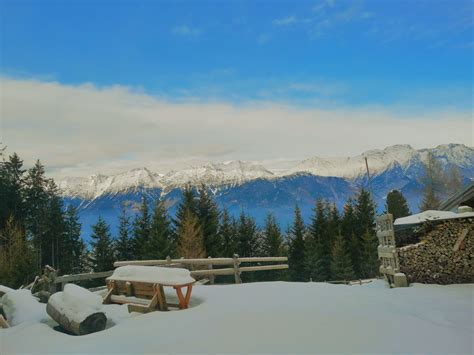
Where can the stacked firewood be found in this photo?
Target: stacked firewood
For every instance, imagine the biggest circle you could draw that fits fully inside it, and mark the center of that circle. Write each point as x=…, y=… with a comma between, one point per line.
x=445, y=254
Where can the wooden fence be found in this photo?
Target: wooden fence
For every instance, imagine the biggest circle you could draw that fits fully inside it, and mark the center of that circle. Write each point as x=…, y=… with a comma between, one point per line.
x=210, y=272
x=387, y=251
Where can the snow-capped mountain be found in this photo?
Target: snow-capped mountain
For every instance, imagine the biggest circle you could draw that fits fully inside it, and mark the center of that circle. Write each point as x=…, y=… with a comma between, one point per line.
x=239, y=185
x=238, y=172
x=98, y=185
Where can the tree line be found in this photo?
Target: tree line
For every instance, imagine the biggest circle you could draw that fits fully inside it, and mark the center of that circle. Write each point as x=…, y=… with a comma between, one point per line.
x=36, y=229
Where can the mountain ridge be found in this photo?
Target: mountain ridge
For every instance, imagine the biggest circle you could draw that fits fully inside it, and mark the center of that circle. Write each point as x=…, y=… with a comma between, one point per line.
x=237, y=172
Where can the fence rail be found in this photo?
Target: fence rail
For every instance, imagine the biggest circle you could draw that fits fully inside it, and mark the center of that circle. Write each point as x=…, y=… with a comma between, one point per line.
x=210, y=272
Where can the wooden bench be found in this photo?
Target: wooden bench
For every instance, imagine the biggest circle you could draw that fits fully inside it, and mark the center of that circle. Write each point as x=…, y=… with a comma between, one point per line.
x=145, y=296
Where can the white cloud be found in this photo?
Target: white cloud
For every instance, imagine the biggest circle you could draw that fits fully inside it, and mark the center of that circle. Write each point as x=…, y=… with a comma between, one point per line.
x=286, y=21
x=186, y=31
x=263, y=38
x=85, y=129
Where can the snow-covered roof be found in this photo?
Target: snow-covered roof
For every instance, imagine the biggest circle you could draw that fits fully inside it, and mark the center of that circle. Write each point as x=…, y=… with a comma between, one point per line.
x=431, y=215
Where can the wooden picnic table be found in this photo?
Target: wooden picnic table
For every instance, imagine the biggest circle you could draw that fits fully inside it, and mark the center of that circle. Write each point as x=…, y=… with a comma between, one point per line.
x=146, y=295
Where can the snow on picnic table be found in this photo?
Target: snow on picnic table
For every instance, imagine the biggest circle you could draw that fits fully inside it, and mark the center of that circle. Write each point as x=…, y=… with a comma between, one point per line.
x=161, y=275
x=279, y=317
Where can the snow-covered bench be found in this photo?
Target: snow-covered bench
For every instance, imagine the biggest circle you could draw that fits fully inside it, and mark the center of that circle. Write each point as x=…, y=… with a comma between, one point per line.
x=141, y=287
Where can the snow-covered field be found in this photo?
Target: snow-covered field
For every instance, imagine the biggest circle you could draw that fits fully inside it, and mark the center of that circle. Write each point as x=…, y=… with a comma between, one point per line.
x=276, y=317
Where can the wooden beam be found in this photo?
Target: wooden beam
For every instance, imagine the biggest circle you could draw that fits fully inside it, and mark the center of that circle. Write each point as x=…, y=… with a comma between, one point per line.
x=80, y=277
x=203, y=261
x=263, y=267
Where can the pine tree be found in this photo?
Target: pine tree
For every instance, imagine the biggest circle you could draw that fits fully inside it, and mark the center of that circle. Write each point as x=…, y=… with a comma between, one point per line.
x=73, y=244
x=433, y=182
x=141, y=230
x=319, y=246
x=247, y=236
x=208, y=214
x=36, y=200
x=12, y=182
x=272, y=245
x=349, y=230
x=54, y=236
x=365, y=232
x=296, y=255
x=227, y=234
x=103, y=249
x=191, y=240
x=124, y=244
x=17, y=257
x=272, y=238
x=188, y=204
x=370, y=264
x=341, y=265
x=161, y=242
x=397, y=204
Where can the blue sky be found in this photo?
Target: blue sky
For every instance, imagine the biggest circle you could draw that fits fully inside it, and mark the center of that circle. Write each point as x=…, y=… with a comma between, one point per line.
x=304, y=52
x=101, y=86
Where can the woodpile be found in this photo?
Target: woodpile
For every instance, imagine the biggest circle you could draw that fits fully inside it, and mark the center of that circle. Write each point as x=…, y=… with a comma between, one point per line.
x=445, y=254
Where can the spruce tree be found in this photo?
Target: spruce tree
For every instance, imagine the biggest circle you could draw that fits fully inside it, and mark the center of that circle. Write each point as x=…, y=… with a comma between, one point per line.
x=103, y=248
x=319, y=246
x=365, y=233
x=341, y=264
x=187, y=204
x=161, y=242
x=397, y=204
x=12, y=181
x=36, y=201
x=296, y=255
x=349, y=230
x=191, y=240
x=369, y=255
x=272, y=245
x=55, y=233
x=272, y=238
x=141, y=230
x=228, y=234
x=17, y=257
x=208, y=214
x=247, y=236
x=73, y=244
x=124, y=245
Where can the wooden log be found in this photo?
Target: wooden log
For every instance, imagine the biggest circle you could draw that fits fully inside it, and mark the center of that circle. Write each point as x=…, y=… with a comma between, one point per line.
x=207, y=261
x=3, y=323
x=212, y=276
x=89, y=321
x=238, y=280
x=80, y=277
x=263, y=268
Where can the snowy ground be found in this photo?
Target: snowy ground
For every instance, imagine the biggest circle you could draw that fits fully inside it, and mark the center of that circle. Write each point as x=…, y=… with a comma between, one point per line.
x=277, y=317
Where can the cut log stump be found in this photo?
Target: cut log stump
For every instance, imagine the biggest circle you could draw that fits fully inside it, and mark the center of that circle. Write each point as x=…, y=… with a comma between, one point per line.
x=87, y=321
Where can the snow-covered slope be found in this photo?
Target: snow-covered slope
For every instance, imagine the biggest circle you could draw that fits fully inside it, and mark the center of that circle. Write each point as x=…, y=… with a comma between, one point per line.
x=97, y=185
x=238, y=172
x=282, y=318
x=215, y=174
x=381, y=160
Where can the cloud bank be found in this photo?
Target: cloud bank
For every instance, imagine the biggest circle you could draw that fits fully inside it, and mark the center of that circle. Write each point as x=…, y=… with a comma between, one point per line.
x=80, y=130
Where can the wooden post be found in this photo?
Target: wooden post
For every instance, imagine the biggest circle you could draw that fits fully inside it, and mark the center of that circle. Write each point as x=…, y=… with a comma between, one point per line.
x=3, y=322
x=212, y=278
x=238, y=280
